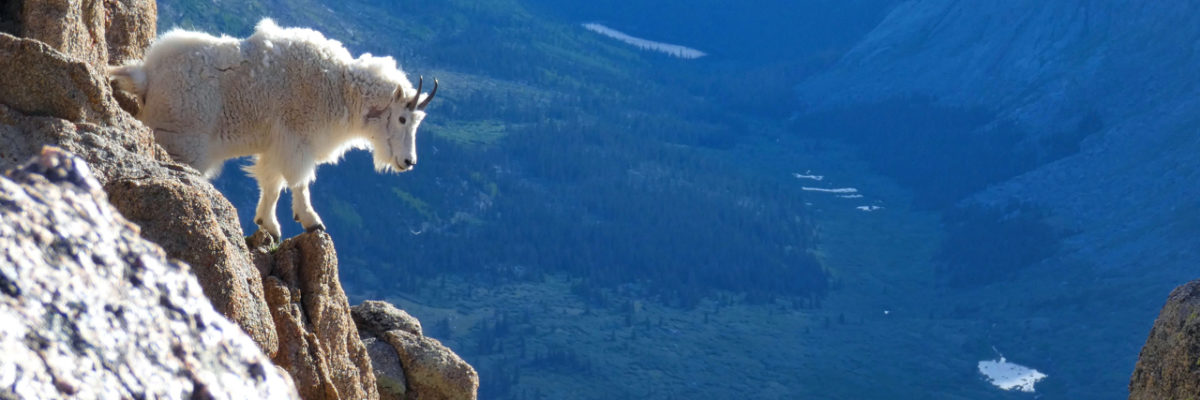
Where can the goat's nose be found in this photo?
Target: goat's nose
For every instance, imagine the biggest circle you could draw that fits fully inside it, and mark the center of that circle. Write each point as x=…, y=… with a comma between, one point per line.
x=409, y=162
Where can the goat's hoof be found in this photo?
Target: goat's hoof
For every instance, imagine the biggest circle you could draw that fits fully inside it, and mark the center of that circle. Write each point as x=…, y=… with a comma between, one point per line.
x=296, y=217
x=314, y=228
x=274, y=240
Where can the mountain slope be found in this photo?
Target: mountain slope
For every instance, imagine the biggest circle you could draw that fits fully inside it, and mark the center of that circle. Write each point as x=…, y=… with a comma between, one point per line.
x=1097, y=100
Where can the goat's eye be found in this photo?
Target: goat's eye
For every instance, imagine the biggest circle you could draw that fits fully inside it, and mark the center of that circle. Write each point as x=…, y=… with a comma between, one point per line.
x=403, y=120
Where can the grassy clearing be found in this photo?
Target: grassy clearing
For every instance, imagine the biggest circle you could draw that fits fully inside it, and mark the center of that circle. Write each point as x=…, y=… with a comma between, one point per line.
x=485, y=132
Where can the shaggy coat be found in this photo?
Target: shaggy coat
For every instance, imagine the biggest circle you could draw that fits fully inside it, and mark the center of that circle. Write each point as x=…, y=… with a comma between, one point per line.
x=289, y=97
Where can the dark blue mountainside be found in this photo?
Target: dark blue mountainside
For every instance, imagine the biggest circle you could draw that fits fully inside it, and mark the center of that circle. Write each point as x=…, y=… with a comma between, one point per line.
x=844, y=199
x=1082, y=110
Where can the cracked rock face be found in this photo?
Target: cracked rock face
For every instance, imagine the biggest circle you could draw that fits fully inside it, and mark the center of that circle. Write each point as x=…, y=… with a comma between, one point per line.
x=89, y=309
x=1169, y=366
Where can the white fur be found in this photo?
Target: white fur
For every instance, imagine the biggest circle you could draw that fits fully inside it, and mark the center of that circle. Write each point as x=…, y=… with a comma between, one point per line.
x=287, y=96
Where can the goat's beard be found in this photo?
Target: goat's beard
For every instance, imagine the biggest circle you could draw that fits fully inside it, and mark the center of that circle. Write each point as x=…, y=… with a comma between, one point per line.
x=383, y=165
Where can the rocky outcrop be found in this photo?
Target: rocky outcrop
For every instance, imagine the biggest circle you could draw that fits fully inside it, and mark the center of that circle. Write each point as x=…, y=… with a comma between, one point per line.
x=52, y=92
x=429, y=369
x=1169, y=366
x=74, y=27
x=185, y=215
x=89, y=309
x=47, y=97
x=320, y=345
x=130, y=28
x=95, y=32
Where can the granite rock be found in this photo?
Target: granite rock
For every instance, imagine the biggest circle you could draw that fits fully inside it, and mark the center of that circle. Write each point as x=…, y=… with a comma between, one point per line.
x=319, y=344
x=89, y=309
x=96, y=32
x=49, y=98
x=1169, y=365
x=430, y=369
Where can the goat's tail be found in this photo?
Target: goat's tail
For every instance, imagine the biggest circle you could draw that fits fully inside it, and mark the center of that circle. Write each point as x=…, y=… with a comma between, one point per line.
x=130, y=77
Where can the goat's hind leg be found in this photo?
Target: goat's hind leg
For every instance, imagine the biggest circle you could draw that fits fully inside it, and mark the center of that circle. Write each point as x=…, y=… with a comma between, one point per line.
x=302, y=209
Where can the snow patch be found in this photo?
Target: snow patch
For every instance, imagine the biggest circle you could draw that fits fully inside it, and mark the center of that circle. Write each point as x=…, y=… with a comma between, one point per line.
x=673, y=50
x=1009, y=376
x=827, y=190
x=808, y=175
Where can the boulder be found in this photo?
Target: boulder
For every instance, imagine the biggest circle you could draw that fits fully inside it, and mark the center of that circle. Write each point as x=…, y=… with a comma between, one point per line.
x=377, y=316
x=1169, y=365
x=430, y=370
x=389, y=374
x=66, y=87
x=381, y=316
x=433, y=371
x=89, y=309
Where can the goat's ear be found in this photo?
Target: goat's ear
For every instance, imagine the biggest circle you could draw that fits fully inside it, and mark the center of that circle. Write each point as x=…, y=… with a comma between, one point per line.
x=398, y=94
x=375, y=112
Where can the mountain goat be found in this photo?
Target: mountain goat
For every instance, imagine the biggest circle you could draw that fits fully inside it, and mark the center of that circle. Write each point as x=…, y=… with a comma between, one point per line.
x=287, y=96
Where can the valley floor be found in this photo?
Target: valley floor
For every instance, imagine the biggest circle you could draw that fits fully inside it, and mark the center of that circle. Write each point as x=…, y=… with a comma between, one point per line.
x=885, y=330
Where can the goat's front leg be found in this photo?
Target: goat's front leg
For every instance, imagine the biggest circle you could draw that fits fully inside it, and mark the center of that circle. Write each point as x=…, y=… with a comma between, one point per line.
x=302, y=209
x=264, y=216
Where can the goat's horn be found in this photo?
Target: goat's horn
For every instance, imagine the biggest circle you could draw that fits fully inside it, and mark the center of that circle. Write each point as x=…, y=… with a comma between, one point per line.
x=413, y=104
x=430, y=97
